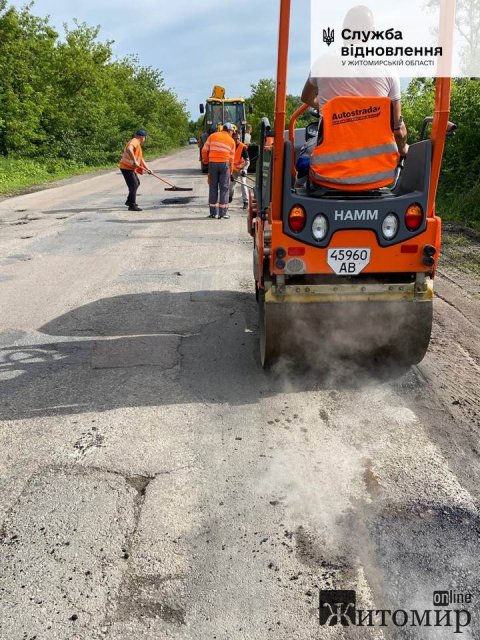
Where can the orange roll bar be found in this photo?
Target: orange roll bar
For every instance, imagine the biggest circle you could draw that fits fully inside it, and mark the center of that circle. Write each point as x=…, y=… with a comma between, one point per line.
x=291, y=132
x=280, y=108
x=442, y=101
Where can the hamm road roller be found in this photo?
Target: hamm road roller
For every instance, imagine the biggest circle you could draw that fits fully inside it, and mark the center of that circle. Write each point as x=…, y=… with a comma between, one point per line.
x=344, y=264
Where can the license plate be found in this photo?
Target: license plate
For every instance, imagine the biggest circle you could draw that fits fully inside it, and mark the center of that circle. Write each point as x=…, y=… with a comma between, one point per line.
x=348, y=262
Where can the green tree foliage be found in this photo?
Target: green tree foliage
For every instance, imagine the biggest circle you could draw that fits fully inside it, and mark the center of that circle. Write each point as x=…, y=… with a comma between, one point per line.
x=24, y=41
x=459, y=189
x=69, y=99
x=263, y=100
x=195, y=127
x=467, y=23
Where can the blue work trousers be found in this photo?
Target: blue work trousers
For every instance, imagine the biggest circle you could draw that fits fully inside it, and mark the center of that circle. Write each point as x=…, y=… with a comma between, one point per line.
x=219, y=180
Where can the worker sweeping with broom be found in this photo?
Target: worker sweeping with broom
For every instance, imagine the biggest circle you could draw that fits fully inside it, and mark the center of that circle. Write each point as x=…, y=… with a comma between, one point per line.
x=132, y=164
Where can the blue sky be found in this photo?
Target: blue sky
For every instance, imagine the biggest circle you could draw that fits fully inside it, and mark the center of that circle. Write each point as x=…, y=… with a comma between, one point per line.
x=195, y=43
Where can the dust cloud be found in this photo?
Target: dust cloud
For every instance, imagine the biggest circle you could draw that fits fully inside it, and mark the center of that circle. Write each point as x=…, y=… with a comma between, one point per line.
x=352, y=340
x=359, y=481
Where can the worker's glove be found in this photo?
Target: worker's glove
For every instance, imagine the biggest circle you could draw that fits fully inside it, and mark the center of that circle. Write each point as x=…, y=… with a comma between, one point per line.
x=243, y=173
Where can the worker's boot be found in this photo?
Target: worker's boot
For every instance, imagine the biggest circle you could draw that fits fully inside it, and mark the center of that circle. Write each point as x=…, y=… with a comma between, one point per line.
x=134, y=207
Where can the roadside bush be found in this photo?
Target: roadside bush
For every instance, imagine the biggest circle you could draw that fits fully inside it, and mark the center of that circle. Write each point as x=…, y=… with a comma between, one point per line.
x=67, y=102
x=459, y=189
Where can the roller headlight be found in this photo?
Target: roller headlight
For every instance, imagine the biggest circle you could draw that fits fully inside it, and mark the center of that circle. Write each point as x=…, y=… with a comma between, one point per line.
x=319, y=227
x=390, y=226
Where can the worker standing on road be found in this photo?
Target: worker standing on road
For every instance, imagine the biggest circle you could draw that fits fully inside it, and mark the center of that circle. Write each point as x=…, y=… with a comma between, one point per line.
x=240, y=166
x=219, y=153
x=132, y=164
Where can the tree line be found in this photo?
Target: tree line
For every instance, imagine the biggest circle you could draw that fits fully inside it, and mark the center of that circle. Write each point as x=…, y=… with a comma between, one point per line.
x=69, y=99
x=459, y=188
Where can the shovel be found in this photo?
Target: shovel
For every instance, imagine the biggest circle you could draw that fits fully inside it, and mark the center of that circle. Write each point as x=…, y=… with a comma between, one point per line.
x=238, y=182
x=171, y=186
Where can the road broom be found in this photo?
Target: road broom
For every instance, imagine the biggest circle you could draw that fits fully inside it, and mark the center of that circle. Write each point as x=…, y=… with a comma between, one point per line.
x=171, y=187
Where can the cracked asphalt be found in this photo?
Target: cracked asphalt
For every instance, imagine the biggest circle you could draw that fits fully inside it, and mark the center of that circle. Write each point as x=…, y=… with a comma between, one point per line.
x=155, y=483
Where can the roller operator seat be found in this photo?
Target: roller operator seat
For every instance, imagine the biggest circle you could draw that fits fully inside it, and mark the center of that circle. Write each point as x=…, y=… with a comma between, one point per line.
x=357, y=149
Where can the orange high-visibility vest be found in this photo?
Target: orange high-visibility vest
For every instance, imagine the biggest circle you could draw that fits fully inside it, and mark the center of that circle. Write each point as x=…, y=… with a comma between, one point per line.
x=126, y=161
x=219, y=147
x=239, y=161
x=358, y=151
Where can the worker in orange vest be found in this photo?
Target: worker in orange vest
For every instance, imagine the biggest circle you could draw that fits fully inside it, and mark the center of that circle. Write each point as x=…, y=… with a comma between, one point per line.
x=358, y=150
x=240, y=166
x=132, y=164
x=346, y=157
x=219, y=153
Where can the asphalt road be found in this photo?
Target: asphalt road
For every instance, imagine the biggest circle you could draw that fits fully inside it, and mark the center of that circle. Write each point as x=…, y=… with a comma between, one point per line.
x=156, y=483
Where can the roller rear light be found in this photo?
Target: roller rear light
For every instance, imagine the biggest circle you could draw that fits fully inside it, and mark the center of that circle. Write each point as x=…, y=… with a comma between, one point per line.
x=413, y=217
x=409, y=248
x=297, y=219
x=296, y=251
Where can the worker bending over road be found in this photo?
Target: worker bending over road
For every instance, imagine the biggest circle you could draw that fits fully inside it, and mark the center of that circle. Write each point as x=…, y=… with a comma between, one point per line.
x=132, y=164
x=240, y=166
x=219, y=153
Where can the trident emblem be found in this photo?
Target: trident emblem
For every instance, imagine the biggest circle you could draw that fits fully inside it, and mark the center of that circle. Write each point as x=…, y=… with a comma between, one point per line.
x=328, y=36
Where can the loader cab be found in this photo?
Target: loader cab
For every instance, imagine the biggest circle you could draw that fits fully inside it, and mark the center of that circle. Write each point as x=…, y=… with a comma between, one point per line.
x=218, y=112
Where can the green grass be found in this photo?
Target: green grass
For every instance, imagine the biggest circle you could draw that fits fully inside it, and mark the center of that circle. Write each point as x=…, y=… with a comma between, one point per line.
x=464, y=261
x=461, y=249
x=18, y=175
x=462, y=208
x=454, y=238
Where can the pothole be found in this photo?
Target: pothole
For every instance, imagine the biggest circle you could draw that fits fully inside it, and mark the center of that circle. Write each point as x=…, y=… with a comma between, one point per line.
x=139, y=483
x=176, y=200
